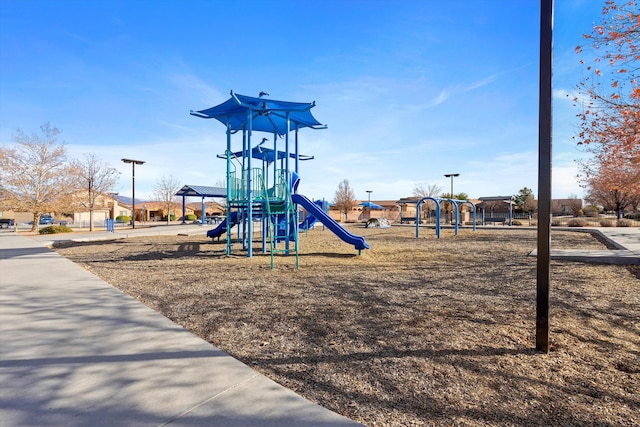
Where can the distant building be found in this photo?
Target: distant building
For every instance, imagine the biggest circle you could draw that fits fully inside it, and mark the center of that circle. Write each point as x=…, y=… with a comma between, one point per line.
x=566, y=206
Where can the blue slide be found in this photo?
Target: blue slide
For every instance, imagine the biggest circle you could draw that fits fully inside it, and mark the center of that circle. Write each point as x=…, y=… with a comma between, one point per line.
x=308, y=222
x=330, y=223
x=222, y=228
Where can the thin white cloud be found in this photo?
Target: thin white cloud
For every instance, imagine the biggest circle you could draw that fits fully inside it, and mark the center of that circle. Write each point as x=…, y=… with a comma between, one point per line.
x=207, y=93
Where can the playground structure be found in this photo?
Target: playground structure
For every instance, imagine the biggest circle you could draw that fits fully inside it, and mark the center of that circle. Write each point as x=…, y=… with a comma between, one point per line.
x=438, y=201
x=268, y=196
x=456, y=206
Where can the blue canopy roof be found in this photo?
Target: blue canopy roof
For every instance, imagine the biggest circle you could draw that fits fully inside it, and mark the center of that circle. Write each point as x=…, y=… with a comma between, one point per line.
x=370, y=205
x=267, y=115
x=267, y=154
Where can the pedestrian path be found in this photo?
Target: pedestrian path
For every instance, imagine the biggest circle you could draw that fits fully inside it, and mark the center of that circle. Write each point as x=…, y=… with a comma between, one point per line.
x=75, y=351
x=625, y=240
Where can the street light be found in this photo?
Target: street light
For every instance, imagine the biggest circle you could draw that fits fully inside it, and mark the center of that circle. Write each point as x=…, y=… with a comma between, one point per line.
x=133, y=188
x=369, y=205
x=451, y=175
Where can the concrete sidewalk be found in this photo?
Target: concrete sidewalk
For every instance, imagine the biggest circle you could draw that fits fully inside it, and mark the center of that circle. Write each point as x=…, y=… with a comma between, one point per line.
x=83, y=235
x=625, y=240
x=74, y=351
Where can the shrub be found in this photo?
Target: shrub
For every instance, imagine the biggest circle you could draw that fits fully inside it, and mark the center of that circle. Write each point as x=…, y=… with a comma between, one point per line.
x=591, y=211
x=580, y=212
x=516, y=222
x=556, y=223
x=606, y=223
x=123, y=218
x=191, y=217
x=624, y=223
x=55, y=229
x=576, y=222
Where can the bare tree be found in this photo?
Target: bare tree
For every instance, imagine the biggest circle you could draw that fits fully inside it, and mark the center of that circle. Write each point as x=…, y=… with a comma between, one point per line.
x=430, y=190
x=35, y=174
x=98, y=179
x=165, y=192
x=345, y=198
x=575, y=204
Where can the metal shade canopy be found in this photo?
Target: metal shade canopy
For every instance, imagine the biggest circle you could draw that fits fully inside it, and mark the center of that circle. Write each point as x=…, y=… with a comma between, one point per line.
x=202, y=191
x=242, y=112
x=267, y=154
x=370, y=205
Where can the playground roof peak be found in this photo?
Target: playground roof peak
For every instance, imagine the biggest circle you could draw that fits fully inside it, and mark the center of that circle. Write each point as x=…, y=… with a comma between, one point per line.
x=267, y=115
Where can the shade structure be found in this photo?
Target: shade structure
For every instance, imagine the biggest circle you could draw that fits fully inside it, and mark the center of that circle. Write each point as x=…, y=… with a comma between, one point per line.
x=370, y=205
x=267, y=115
x=267, y=154
x=201, y=191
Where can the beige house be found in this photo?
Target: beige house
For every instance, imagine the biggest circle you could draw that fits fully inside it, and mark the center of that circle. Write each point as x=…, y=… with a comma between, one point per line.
x=566, y=206
x=390, y=211
x=107, y=206
x=210, y=208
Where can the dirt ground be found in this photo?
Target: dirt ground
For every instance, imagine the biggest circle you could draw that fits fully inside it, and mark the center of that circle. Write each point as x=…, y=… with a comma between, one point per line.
x=414, y=331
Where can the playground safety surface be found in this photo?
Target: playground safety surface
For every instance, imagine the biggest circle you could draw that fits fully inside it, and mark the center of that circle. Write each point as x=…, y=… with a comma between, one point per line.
x=414, y=331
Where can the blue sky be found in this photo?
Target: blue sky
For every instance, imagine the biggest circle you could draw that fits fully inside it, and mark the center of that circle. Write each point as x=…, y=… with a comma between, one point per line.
x=410, y=90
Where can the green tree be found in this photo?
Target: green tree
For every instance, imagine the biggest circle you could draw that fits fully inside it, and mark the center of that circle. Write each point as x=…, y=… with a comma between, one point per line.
x=448, y=208
x=345, y=198
x=525, y=201
x=36, y=175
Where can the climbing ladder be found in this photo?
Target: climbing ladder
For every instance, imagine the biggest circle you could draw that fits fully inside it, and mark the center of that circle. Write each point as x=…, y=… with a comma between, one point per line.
x=281, y=214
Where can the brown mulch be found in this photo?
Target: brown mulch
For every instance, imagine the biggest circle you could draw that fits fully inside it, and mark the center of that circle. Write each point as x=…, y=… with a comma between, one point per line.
x=412, y=332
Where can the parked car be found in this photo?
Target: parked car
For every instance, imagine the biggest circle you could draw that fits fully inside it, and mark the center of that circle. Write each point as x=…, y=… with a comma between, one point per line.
x=6, y=222
x=46, y=219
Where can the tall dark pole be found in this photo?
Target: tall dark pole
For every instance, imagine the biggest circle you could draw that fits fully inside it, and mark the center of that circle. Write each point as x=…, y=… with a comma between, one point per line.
x=133, y=188
x=544, y=177
x=369, y=207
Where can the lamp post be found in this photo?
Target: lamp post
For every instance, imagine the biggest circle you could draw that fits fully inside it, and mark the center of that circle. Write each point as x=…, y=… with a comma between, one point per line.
x=451, y=175
x=369, y=204
x=133, y=188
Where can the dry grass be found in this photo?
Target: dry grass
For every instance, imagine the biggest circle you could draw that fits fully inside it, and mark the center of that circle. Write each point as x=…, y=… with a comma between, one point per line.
x=414, y=331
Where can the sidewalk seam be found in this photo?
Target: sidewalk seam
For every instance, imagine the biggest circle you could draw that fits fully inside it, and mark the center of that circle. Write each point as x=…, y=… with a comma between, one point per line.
x=251, y=378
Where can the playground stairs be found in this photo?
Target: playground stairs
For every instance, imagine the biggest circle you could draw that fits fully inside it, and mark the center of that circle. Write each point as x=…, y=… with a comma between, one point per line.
x=282, y=221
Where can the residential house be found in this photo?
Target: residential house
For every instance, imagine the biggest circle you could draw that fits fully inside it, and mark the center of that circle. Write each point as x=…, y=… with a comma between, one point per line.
x=566, y=206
